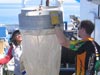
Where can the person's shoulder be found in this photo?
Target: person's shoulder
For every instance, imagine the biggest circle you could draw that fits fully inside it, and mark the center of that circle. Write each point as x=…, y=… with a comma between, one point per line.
x=88, y=44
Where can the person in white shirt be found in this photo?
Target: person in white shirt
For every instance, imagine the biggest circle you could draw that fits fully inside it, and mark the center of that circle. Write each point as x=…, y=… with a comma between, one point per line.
x=14, y=51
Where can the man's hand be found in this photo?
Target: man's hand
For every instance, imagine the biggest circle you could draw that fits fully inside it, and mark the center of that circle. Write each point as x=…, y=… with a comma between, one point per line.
x=61, y=37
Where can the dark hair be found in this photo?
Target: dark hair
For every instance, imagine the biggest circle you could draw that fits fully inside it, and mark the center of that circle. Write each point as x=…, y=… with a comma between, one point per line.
x=12, y=39
x=88, y=26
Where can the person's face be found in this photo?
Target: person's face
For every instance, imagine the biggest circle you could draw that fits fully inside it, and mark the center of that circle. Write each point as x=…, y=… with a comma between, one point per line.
x=18, y=38
x=80, y=32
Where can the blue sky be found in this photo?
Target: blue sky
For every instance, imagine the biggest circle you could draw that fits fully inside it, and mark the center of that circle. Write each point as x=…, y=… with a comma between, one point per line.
x=19, y=1
x=69, y=5
x=10, y=1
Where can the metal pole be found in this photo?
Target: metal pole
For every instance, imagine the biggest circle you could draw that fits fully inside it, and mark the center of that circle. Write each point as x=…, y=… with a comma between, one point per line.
x=41, y=3
x=23, y=3
x=95, y=16
x=95, y=27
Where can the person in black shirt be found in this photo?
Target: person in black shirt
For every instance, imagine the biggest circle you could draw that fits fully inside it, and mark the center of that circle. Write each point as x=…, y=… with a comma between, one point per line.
x=84, y=49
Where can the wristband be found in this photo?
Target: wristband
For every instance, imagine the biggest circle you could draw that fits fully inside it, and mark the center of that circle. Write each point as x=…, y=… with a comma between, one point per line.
x=23, y=72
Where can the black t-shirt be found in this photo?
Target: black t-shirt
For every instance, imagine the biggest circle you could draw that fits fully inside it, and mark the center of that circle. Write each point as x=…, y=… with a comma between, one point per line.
x=85, y=58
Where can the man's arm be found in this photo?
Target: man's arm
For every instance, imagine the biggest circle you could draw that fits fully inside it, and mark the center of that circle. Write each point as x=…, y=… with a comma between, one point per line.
x=7, y=58
x=61, y=37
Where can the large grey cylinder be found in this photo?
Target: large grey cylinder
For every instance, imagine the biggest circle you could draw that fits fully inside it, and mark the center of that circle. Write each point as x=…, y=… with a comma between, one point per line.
x=41, y=49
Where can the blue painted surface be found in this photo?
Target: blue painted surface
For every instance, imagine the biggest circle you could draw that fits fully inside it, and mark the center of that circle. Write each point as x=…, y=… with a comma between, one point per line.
x=3, y=31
